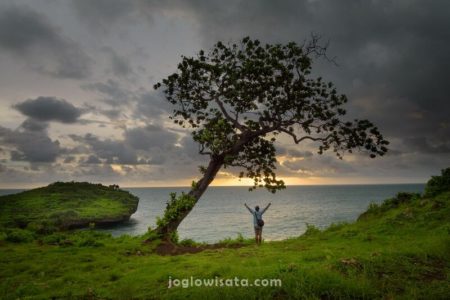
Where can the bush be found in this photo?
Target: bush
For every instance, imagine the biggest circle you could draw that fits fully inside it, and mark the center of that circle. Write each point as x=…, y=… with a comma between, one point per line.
x=175, y=207
x=188, y=243
x=42, y=227
x=19, y=236
x=311, y=230
x=337, y=226
x=54, y=239
x=401, y=198
x=151, y=235
x=174, y=237
x=438, y=184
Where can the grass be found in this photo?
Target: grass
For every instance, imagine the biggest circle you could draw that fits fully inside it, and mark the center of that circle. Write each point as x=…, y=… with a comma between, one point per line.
x=66, y=204
x=397, y=250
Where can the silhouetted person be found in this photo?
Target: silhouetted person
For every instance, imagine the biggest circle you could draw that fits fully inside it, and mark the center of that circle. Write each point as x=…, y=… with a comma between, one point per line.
x=257, y=221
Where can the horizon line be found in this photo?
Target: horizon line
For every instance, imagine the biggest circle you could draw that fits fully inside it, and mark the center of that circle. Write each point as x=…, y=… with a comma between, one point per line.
x=243, y=186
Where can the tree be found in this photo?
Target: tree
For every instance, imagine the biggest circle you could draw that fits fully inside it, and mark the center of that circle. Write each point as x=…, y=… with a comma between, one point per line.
x=238, y=99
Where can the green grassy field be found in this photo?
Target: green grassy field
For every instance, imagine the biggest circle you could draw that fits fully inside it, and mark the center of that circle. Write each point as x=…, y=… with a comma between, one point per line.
x=398, y=250
x=66, y=204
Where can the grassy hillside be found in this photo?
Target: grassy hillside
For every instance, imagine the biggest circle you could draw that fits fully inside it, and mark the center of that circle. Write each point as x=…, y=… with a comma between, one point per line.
x=65, y=205
x=397, y=250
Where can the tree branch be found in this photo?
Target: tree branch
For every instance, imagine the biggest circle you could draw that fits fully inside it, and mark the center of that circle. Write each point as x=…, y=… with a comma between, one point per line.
x=228, y=117
x=203, y=152
x=307, y=137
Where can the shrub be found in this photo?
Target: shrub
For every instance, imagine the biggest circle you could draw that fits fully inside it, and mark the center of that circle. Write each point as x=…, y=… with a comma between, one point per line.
x=399, y=199
x=188, y=243
x=3, y=236
x=54, y=239
x=44, y=227
x=174, y=238
x=174, y=208
x=438, y=184
x=17, y=235
x=311, y=230
x=336, y=226
x=151, y=235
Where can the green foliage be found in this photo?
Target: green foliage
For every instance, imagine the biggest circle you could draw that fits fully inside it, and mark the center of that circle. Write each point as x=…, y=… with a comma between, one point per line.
x=239, y=97
x=399, y=199
x=151, y=234
x=311, y=230
x=402, y=198
x=174, y=238
x=175, y=207
x=438, y=184
x=42, y=227
x=3, y=236
x=56, y=238
x=239, y=240
x=189, y=243
x=17, y=235
x=62, y=205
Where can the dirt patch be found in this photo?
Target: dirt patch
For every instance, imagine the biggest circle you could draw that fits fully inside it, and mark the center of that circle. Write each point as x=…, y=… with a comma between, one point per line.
x=169, y=248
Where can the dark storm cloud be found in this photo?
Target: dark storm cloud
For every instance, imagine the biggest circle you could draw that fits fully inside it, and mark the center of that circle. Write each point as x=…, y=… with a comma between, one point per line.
x=30, y=143
x=120, y=65
x=112, y=92
x=152, y=105
x=113, y=151
x=49, y=109
x=29, y=36
x=151, y=136
x=146, y=105
x=422, y=145
x=141, y=145
x=392, y=55
x=34, y=125
x=101, y=15
x=92, y=159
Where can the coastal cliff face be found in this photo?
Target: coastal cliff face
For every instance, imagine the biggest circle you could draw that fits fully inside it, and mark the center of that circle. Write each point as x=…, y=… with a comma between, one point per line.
x=65, y=205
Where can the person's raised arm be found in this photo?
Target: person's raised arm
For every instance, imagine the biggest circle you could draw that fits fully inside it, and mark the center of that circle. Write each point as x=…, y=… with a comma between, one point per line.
x=249, y=209
x=264, y=210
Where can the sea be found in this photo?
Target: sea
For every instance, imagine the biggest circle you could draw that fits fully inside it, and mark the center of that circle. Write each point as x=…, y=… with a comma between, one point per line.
x=221, y=213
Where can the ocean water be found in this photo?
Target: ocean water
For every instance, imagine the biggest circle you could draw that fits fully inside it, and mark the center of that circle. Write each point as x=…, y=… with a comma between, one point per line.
x=220, y=213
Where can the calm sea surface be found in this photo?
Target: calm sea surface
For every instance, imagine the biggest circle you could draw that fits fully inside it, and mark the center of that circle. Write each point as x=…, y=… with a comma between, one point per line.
x=220, y=213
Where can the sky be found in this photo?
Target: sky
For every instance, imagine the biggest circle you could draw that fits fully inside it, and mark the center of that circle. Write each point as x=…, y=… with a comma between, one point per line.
x=77, y=99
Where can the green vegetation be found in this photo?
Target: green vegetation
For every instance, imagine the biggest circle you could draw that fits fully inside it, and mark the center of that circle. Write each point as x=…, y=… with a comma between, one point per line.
x=397, y=250
x=63, y=205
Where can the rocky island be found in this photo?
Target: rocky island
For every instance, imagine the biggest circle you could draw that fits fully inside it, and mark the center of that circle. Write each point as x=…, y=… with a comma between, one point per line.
x=66, y=205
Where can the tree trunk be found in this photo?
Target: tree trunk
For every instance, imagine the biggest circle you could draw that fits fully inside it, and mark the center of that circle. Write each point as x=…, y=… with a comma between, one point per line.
x=196, y=192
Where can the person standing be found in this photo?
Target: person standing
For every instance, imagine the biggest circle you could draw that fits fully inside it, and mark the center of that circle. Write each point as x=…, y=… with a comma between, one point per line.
x=258, y=222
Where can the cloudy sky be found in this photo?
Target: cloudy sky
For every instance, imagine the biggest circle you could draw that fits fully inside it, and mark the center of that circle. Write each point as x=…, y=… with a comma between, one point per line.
x=76, y=77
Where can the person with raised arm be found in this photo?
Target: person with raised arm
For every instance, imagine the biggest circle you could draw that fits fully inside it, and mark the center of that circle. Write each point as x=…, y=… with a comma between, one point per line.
x=258, y=222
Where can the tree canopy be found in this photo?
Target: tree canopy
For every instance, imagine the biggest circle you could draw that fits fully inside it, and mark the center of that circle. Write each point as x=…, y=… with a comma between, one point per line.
x=238, y=98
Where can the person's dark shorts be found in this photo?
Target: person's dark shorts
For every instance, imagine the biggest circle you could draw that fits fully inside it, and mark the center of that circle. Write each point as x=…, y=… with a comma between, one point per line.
x=258, y=229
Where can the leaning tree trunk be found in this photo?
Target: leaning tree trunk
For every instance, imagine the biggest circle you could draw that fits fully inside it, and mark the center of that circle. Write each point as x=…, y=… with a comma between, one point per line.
x=196, y=192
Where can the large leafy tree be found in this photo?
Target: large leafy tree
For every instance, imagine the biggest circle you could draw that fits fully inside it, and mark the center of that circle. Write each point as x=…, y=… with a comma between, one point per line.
x=238, y=98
